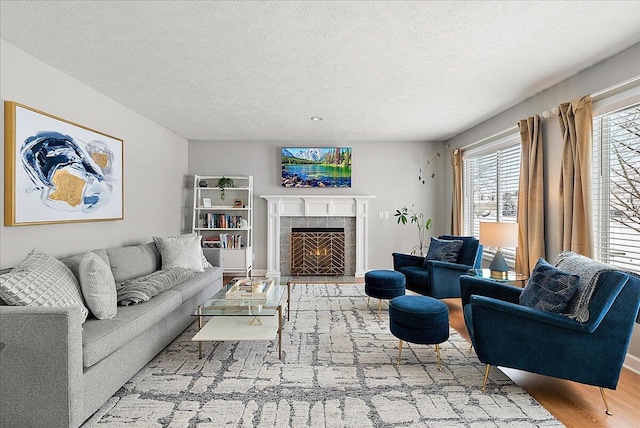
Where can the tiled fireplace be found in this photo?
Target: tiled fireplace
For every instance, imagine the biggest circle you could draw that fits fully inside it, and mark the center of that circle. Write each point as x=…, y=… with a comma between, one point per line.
x=287, y=212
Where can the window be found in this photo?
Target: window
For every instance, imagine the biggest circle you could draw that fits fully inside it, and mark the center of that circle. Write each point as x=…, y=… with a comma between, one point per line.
x=490, y=181
x=616, y=187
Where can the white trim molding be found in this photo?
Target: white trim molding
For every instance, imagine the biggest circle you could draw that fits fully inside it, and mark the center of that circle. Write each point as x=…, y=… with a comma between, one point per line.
x=317, y=206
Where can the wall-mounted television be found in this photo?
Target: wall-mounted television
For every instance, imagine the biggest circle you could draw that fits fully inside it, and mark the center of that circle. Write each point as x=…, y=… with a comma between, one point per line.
x=316, y=167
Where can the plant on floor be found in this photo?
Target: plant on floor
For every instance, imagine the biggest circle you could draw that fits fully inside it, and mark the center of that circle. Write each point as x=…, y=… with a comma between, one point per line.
x=222, y=183
x=423, y=224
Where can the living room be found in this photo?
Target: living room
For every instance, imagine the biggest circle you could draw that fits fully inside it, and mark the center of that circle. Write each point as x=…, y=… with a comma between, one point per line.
x=160, y=160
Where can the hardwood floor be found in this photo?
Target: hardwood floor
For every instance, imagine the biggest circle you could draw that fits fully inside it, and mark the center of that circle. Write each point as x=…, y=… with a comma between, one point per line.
x=575, y=405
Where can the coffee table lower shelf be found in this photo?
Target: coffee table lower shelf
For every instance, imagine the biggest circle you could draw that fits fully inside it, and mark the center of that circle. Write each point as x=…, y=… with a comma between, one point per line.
x=237, y=328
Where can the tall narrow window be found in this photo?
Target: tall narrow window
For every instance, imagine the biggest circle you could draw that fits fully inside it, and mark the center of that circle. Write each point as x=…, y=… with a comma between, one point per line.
x=616, y=187
x=491, y=189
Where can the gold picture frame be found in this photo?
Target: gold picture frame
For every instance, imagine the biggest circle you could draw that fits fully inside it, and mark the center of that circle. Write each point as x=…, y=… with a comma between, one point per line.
x=57, y=171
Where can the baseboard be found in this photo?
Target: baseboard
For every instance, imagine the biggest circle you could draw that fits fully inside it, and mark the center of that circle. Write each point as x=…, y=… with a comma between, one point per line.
x=632, y=363
x=258, y=272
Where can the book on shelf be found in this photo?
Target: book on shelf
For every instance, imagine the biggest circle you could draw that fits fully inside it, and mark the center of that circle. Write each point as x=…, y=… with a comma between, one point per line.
x=230, y=241
x=222, y=221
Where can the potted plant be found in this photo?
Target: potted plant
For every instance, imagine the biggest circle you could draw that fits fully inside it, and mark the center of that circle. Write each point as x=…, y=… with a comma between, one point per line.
x=423, y=224
x=222, y=183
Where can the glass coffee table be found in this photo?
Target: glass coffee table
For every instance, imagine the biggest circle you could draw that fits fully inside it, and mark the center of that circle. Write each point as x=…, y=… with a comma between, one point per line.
x=245, y=318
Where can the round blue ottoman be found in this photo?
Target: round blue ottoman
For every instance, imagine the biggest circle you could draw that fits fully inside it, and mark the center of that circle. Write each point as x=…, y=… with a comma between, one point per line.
x=419, y=319
x=383, y=284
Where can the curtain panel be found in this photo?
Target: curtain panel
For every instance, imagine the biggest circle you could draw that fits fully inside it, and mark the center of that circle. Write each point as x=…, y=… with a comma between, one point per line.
x=531, y=242
x=576, y=217
x=456, y=212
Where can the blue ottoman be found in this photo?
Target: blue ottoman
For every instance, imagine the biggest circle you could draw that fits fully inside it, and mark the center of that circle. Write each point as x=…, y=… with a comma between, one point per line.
x=419, y=319
x=383, y=284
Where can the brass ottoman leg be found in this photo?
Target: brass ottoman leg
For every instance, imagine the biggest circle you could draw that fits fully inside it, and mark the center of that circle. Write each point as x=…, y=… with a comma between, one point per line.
x=399, y=352
x=379, y=306
x=438, y=354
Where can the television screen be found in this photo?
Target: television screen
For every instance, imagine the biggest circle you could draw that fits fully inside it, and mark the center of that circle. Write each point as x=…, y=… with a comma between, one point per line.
x=316, y=167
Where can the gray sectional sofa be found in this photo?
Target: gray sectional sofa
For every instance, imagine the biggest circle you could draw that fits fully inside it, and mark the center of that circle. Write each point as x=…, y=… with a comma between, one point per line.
x=56, y=371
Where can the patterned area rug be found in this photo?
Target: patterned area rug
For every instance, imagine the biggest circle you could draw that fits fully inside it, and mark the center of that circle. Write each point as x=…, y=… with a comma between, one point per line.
x=337, y=370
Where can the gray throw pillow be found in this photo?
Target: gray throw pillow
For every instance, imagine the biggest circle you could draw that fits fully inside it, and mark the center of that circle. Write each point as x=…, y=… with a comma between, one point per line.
x=98, y=287
x=172, y=244
x=549, y=289
x=181, y=251
x=443, y=250
x=41, y=280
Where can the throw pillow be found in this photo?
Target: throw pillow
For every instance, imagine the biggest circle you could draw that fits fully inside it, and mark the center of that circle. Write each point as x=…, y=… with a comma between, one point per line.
x=98, y=287
x=444, y=250
x=549, y=289
x=181, y=251
x=41, y=280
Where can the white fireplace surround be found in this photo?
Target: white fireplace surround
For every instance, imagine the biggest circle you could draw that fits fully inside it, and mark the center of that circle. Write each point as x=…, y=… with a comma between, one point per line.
x=317, y=206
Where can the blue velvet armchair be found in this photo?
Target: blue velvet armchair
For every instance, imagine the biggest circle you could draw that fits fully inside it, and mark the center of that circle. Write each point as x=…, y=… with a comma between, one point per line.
x=504, y=333
x=435, y=278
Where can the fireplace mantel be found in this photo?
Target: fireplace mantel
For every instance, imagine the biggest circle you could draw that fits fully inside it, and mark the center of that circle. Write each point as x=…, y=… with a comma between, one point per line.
x=317, y=206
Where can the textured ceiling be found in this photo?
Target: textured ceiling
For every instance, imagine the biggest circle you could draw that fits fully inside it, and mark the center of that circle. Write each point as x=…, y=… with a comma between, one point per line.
x=385, y=70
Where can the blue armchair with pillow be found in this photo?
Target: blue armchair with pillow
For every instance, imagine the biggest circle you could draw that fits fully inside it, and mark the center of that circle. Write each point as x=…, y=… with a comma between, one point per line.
x=437, y=275
x=572, y=321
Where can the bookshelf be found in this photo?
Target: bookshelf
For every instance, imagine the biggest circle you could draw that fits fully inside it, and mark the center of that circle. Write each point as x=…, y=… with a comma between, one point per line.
x=224, y=218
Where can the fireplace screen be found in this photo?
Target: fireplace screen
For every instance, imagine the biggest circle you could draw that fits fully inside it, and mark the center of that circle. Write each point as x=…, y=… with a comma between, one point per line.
x=317, y=251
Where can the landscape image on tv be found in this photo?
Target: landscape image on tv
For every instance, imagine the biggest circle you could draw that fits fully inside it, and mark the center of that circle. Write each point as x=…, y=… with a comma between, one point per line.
x=316, y=167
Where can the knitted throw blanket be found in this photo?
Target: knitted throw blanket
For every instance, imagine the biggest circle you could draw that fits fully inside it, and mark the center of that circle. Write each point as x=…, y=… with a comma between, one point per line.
x=589, y=271
x=142, y=289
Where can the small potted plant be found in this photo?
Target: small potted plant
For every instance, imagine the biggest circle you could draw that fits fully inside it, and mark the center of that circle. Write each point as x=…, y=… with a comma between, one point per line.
x=222, y=183
x=423, y=224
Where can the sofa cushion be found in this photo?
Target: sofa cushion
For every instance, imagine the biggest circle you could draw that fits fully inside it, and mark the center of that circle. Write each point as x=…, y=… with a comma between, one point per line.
x=102, y=337
x=98, y=286
x=73, y=262
x=444, y=250
x=549, y=289
x=41, y=280
x=133, y=261
x=190, y=288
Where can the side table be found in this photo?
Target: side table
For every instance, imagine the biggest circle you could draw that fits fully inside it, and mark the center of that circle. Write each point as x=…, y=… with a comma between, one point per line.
x=511, y=277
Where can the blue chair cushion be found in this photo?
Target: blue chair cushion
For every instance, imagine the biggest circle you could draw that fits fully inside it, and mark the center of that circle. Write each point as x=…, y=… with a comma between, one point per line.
x=444, y=250
x=419, y=319
x=384, y=284
x=549, y=288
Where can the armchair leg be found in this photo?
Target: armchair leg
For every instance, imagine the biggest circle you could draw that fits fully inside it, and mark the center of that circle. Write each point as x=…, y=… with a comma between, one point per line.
x=438, y=354
x=399, y=352
x=606, y=405
x=486, y=375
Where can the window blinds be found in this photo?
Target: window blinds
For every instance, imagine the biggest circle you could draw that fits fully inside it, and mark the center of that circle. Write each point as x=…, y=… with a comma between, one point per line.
x=491, y=190
x=616, y=187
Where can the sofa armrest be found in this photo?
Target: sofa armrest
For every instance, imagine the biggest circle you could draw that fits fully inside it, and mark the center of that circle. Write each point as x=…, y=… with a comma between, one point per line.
x=40, y=366
x=401, y=260
x=213, y=255
x=485, y=287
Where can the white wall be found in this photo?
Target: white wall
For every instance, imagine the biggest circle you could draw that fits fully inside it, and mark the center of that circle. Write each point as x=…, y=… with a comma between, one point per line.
x=603, y=75
x=155, y=162
x=386, y=170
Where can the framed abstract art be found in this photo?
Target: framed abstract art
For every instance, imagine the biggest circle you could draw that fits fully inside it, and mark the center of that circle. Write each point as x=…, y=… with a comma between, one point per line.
x=57, y=171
